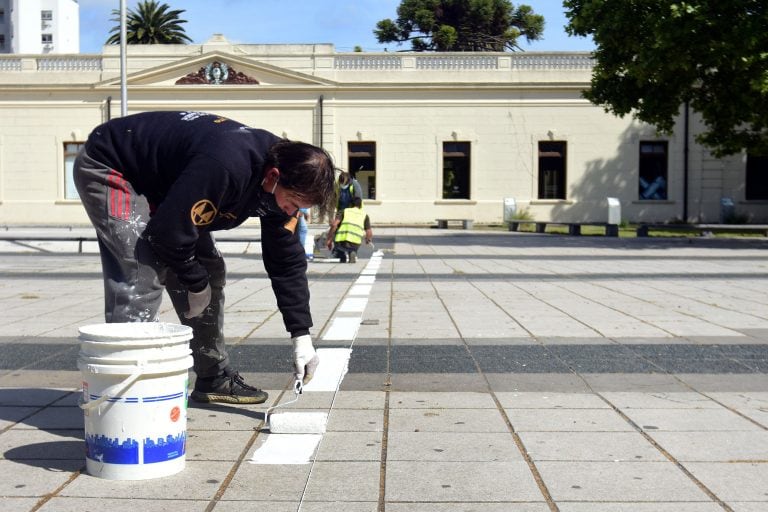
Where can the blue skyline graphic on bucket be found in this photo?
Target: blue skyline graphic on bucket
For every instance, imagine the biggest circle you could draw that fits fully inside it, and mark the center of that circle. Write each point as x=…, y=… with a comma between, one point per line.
x=161, y=450
x=111, y=450
x=114, y=451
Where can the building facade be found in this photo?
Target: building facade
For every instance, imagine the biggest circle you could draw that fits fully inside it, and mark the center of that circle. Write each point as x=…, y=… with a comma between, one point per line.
x=39, y=26
x=429, y=135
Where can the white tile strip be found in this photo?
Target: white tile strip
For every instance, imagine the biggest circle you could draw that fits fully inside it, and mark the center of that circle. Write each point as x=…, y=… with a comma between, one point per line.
x=365, y=280
x=287, y=449
x=360, y=289
x=353, y=305
x=343, y=329
x=334, y=363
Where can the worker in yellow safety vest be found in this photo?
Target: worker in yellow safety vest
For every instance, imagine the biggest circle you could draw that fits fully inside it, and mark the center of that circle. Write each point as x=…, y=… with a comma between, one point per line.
x=347, y=232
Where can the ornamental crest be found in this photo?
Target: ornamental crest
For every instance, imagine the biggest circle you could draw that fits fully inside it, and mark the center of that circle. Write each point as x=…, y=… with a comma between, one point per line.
x=216, y=73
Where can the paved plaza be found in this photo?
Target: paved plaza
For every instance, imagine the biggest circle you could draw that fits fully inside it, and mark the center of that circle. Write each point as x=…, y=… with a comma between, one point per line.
x=489, y=372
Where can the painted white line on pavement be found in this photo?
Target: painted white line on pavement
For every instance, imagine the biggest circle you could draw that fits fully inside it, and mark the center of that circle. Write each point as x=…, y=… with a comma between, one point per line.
x=287, y=449
x=353, y=305
x=343, y=328
x=365, y=280
x=360, y=289
x=334, y=363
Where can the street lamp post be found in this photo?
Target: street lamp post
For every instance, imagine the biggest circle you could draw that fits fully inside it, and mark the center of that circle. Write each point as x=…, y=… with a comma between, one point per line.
x=123, y=61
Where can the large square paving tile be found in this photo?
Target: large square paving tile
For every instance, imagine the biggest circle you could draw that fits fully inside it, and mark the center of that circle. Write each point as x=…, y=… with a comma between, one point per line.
x=452, y=446
x=744, y=446
x=419, y=481
x=618, y=481
x=734, y=481
x=589, y=446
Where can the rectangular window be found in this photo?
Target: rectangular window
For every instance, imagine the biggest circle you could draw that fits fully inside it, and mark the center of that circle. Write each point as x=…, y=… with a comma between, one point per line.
x=70, y=152
x=756, y=186
x=552, y=169
x=456, y=170
x=2, y=15
x=362, y=165
x=46, y=38
x=653, y=170
x=2, y=41
x=46, y=15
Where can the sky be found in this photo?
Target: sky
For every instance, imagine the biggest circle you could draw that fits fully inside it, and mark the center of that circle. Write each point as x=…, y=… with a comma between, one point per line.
x=345, y=23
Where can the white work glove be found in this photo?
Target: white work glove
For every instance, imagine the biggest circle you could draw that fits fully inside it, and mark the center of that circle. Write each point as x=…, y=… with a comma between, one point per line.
x=305, y=359
x=198, y=301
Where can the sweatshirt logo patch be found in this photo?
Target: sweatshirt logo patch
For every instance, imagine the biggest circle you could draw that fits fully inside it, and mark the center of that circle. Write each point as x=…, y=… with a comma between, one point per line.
x=203, y=212
x=291, y=224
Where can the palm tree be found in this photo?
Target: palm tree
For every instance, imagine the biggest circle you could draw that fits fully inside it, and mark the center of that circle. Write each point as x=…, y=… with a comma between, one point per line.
x=150, y=23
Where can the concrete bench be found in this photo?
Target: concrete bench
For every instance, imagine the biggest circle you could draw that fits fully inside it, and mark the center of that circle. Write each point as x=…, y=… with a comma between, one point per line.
x=465, y=223
x=574, y=228
x=644, y=229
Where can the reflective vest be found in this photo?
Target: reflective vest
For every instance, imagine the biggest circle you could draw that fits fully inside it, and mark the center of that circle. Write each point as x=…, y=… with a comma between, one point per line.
x=352, y=225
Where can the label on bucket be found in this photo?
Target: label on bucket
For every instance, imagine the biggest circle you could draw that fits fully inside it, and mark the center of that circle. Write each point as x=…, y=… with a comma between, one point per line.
x=116, y=451
x=138, y=428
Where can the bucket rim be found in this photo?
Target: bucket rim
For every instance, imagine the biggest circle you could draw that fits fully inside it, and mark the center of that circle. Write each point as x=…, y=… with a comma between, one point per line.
x=178, y=365
x=134, y=332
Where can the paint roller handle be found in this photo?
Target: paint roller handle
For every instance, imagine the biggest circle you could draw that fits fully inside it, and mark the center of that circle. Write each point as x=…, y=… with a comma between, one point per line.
x=305, y=359
x=111, y=392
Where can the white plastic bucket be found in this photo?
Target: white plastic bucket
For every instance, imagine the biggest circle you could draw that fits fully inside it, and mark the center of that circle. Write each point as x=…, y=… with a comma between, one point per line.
x=135, y=378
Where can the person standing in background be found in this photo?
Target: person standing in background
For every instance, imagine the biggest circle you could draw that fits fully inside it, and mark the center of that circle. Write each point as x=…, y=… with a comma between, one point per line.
x=305, y=217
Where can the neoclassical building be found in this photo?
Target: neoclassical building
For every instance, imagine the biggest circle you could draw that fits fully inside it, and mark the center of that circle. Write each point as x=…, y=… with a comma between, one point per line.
x=429, y=135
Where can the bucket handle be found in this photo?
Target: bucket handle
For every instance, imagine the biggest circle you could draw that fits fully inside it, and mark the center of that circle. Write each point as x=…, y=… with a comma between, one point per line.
x=111, y=392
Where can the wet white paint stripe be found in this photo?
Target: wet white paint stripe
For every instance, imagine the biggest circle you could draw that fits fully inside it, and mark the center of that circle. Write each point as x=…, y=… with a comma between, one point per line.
x=343, y=329
x=365, y=280
x=334, y=363
x=360, y=289
x=300, y=448
x=353, y=305
x=287, y=449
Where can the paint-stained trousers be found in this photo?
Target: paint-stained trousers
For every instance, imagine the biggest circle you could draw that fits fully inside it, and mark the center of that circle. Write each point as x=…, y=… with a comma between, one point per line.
x=134, y=278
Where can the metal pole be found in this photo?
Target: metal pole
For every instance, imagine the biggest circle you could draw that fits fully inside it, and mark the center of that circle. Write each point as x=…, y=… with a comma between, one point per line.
x=123, y=65
x=685, y=164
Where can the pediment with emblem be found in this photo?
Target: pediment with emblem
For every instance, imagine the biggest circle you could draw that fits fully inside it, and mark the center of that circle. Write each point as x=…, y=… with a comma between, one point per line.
x=217, y=69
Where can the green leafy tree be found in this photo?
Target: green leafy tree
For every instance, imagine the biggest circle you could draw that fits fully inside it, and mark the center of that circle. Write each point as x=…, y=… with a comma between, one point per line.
x=653, y=56
x=461, y=25
x=150, y=23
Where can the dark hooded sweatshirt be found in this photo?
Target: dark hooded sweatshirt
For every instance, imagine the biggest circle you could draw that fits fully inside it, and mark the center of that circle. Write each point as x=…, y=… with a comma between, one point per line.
x=201, y=173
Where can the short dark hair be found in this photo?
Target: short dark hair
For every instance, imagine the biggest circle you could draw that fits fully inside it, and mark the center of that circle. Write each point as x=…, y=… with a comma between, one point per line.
x=356, y=202
x=305, y=170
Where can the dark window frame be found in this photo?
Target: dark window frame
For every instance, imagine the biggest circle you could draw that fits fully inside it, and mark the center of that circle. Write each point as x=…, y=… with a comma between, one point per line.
x=553, y=169
x=756, y=178
x=457, y=170
x=362, y=164
x=653, y=170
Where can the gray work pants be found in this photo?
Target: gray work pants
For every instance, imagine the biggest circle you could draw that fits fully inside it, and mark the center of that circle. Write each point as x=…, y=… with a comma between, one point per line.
x=134, y=278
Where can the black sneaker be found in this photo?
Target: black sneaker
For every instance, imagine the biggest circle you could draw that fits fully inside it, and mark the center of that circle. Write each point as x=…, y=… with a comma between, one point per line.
x=229, y=388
